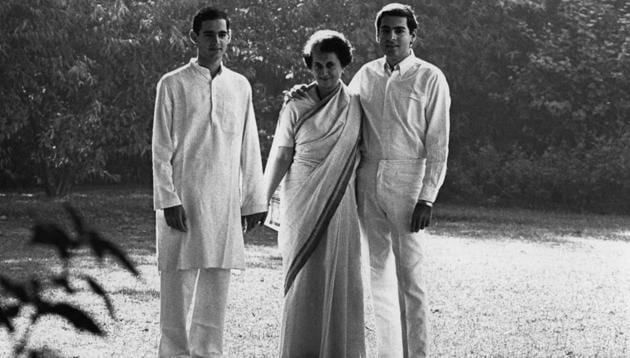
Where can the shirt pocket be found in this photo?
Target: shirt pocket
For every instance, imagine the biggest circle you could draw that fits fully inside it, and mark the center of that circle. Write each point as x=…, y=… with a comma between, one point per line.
x=417, y=97
x=408, y=99
x=414, y=107
x=229, y=116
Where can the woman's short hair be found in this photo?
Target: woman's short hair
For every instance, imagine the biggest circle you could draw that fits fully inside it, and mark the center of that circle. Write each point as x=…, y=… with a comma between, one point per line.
x=398, y=10
x=328, y=41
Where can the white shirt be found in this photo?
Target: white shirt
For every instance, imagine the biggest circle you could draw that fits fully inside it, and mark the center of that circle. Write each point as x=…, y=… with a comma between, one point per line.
x=206, y=157
x=406, y=116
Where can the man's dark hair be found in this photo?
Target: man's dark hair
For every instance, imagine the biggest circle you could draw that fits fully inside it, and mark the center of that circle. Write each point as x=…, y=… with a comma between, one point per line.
x=328, y=41
x=398, y=10
x=209, y=13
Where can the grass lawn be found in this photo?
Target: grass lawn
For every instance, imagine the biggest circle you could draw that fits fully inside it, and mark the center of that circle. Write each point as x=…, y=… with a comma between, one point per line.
x=501, y=282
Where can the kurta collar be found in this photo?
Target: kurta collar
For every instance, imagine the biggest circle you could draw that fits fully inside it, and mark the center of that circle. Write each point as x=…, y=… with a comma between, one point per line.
x=194, y=63
x=402, y=66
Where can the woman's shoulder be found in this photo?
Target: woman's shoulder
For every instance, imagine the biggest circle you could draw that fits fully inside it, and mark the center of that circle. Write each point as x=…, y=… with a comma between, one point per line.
x=302, y=104
x=291, y=111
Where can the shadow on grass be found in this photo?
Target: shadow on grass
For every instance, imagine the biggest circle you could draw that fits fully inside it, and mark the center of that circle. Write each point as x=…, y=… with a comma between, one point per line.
x=266, y=262
x=142, y=295
x=262, y=236
x=125, y=216
x=527, y=225
x=20, y=260
x=50, y=353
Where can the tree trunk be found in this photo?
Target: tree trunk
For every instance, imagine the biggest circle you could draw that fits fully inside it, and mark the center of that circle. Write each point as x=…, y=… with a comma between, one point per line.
x=58, y=182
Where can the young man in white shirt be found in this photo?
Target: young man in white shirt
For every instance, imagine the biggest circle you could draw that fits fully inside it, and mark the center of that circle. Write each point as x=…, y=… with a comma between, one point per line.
x=405, y=134
x=207, y=175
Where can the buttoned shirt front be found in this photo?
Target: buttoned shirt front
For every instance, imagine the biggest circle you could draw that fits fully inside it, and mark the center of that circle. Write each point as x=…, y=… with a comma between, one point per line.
x=406, y=116
x=206, y=157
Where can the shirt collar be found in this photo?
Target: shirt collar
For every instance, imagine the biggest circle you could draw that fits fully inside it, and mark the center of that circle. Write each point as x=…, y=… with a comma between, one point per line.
x=401, y=66
x=194, y=63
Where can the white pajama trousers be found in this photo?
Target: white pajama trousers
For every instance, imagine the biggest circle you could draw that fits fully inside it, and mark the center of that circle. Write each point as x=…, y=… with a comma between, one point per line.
x=202, y=294
x=387, y=191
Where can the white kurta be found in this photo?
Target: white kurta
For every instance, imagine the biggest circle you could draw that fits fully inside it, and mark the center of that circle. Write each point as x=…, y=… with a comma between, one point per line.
x=206, y=157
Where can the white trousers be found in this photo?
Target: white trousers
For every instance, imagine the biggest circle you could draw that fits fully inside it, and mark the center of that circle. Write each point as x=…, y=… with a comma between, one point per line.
x=202, y=295
x=387, y=192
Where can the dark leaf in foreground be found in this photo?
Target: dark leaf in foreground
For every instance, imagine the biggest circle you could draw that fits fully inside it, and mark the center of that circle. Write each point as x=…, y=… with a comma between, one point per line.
x=96, y=244
x=45, y=353
x=5, y=319
x=101, y=247
x=76, y=316
x=12, y=311
x=51, y=234
x=16, y=289
x=76, y=218
x=62, y=281
x=98, y=289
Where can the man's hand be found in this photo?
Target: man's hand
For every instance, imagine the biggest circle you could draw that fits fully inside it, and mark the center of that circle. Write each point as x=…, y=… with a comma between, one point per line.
x=249, y=222
x=421, y=217
x=176, y=218
x=297, y=92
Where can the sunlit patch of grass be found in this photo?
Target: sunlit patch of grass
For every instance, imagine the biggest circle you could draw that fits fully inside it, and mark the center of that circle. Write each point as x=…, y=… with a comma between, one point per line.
x=501, y=282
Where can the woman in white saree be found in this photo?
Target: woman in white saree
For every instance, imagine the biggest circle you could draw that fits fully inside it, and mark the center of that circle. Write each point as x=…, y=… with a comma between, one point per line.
x=315, y=151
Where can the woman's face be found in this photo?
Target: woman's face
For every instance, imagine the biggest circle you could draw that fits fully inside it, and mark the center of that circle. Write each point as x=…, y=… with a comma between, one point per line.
x=326, y=70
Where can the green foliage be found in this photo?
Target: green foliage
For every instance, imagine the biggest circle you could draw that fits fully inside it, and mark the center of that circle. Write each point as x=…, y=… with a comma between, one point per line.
x=591, y=177
x=79, y=76
x=561, y=138
x=30, y=299
x=49, y=78
x=574, y=87
x=530, y=80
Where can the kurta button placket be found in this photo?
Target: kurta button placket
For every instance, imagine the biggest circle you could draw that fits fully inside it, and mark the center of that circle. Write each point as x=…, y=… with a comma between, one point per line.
x=390, y=101
x=212, y=99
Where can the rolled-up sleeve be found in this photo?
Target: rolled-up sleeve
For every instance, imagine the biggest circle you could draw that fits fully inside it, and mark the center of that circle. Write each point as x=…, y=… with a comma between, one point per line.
x=164, y=192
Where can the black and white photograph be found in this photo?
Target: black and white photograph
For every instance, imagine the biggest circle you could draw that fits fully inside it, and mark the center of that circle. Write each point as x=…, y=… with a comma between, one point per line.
x=314, y=179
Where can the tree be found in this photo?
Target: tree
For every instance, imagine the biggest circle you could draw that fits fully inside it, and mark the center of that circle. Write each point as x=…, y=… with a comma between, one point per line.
x=573, y=87
x=530, y=80
x=77, y=78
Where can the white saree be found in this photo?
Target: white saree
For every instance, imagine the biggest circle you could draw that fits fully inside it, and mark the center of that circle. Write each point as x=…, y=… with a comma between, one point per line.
x=319, y=230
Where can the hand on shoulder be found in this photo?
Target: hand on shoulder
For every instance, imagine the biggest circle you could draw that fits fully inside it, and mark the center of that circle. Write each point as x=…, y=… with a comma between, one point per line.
x=297, y=92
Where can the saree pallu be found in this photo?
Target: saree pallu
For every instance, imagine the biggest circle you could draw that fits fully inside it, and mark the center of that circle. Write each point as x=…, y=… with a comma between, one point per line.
x=319, y=235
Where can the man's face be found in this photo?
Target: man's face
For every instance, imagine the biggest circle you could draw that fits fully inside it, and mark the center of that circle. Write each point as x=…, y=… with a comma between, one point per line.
x=212, y=41
x=394, y=38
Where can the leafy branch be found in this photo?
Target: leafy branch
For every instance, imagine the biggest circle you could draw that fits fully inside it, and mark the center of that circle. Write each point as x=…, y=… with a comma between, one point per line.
x=28, y=299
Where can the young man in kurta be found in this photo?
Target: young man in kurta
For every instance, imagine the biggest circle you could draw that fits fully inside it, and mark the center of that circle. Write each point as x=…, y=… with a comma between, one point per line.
x=207, y=175
x=405, y=134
